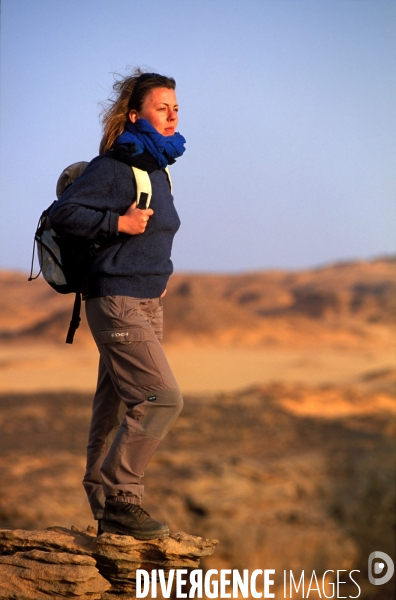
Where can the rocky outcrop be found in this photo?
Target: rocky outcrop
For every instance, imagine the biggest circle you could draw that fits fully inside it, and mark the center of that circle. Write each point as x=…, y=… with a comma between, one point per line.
x=63, y=563
x=285, y=476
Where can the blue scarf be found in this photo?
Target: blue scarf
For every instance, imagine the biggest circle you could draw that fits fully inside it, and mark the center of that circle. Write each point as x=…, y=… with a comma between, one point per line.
x=145, y=137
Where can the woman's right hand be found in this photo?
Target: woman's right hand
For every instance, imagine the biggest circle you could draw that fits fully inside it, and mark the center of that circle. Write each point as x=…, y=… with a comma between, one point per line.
x=135, y=220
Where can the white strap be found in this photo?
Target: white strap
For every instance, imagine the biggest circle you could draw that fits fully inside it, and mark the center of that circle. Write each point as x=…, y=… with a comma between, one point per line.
x=143, y=185
x=169, y=177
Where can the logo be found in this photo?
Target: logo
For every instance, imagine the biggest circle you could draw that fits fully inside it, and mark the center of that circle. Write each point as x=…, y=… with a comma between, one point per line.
x=120, y=334
x=376, y=566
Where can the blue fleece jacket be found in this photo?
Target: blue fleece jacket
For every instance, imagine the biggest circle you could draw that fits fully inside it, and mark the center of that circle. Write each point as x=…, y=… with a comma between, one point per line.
x=140, y=265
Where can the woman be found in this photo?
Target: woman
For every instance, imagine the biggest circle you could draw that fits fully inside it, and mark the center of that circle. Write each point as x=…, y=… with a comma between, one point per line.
x=137, y=398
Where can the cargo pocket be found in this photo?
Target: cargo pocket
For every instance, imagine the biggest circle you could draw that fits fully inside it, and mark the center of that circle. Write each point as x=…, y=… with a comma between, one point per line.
x=127, y=350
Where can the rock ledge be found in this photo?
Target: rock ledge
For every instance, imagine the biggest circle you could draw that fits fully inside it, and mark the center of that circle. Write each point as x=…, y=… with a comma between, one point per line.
x=63, y=563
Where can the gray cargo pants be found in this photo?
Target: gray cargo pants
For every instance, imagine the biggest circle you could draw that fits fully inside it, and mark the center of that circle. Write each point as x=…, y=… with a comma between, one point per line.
x=136, y=401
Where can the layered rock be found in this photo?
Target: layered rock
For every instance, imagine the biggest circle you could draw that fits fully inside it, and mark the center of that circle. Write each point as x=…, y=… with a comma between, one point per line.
x=58, y=562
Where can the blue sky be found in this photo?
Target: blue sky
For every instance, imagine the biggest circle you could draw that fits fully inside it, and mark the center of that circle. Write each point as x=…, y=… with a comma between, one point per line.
x=287, y=107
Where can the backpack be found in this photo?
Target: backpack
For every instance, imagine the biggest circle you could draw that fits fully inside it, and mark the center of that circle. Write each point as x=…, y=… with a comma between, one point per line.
x=65, y=260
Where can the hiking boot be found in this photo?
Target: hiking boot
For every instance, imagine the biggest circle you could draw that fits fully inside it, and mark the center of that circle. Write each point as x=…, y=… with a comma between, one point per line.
x=131, y=519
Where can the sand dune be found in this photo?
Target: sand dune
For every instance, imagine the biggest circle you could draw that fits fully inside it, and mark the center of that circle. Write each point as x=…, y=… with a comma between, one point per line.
x=344, y=301
x=329, y=325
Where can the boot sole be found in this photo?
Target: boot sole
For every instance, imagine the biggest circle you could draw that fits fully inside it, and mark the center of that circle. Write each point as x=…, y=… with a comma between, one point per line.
x=139, y=535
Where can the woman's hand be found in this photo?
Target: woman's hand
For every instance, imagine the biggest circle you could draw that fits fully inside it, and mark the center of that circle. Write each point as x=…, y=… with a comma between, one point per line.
x=135, y=220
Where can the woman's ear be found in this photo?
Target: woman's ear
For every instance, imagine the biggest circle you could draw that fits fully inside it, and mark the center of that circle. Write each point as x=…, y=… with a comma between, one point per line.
x=133, y=116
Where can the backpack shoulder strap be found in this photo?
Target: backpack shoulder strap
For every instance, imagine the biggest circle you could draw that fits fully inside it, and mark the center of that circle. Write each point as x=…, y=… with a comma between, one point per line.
x=169, y=177
x=143, y=187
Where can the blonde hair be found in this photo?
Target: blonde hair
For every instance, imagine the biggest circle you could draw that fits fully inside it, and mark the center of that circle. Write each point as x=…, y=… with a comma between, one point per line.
x=128, y=93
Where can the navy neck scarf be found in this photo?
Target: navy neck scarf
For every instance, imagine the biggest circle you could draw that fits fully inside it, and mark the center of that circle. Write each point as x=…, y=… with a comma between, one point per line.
x=143, y=136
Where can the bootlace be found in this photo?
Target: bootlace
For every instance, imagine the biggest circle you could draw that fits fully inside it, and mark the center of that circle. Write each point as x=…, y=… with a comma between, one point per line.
x=138, y=510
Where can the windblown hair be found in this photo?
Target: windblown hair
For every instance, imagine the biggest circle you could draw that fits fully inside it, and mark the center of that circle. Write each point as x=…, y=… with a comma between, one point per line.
x=128, y=93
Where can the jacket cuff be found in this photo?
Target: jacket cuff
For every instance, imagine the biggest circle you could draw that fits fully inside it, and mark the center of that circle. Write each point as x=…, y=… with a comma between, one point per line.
x=114, y=224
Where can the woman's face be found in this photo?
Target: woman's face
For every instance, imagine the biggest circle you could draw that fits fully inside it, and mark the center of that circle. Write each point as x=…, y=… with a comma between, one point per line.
x=160, y=110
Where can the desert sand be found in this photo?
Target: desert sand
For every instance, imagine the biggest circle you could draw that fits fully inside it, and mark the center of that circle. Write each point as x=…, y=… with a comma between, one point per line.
x=222, y=332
